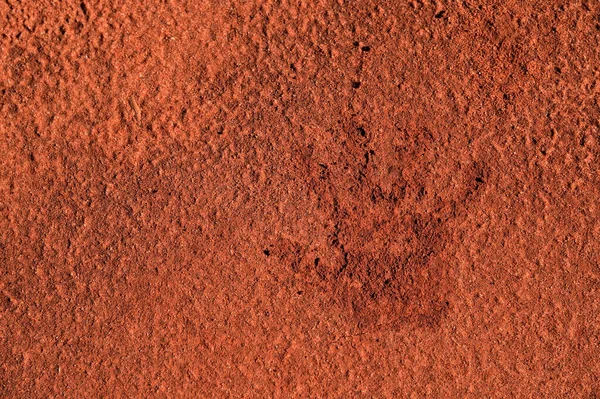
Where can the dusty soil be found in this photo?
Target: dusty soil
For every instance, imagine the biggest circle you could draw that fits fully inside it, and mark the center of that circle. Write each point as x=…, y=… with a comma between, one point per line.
x=313, y=199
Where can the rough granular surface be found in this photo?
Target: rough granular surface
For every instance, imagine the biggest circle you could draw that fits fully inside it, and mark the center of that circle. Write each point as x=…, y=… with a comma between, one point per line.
x=299, y=199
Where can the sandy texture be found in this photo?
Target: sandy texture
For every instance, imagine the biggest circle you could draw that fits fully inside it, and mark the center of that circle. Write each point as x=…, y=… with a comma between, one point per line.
x=312, y=199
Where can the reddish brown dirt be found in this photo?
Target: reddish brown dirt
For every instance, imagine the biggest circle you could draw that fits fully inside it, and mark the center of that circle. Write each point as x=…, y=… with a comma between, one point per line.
x=334, y=199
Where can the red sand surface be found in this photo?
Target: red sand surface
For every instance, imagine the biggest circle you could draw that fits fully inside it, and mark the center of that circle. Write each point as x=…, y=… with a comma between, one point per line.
x=312, y=199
